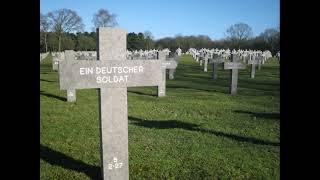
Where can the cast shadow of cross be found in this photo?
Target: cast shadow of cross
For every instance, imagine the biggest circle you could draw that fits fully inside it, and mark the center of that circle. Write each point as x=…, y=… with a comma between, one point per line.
x=171, y=124
x=53, y=96
x=260, y=114
x=46, y=80
x=56, y=158
x=142, y=93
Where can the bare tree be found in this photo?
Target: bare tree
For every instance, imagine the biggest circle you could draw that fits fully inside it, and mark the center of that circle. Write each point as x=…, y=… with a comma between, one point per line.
x=239, y=32
x=104, y=19
x=65, y=20
x=269, y=34
x=148, y=34
x=271, y=37
x=148, y=38
x=44, y=27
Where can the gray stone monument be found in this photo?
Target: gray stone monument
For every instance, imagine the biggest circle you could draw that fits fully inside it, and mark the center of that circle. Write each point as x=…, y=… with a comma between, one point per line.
x=205, y=59
x=69, y=55
x=112, y=74
x=56, y=59
x=171, y=73
x=71, y=95
x=178, y=51
x=259, y=59
x=234, y=66
x=171, y=65
x=55, y=63
x=253, y=63
x=215, y=62
x=162, y=87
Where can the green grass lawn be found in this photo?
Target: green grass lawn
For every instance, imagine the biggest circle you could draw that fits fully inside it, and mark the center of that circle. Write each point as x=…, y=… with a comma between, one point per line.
x=198, y=131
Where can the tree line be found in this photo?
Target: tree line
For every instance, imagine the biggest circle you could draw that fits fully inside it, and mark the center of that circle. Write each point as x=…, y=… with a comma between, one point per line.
x=63, y=30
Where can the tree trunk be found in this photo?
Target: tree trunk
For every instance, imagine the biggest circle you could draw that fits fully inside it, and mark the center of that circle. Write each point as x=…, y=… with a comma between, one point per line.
x=59, y=38
x=45, y=41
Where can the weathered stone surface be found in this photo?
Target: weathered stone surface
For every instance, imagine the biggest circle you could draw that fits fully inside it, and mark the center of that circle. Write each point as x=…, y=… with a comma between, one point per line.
x=205, y=67
x=113, y=108
x=232, y=65
x=162, y=85
x=55, y=64
x=112, y=74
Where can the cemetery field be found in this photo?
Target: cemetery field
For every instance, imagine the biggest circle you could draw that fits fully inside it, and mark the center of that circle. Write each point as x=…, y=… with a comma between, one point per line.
x=198, y=131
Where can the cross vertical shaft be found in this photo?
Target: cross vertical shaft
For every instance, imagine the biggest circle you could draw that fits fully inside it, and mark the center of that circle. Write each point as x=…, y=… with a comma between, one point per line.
x=113, y=109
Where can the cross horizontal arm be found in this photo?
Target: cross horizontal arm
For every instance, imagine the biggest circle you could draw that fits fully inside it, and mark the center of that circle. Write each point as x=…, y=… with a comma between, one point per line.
x=169, y=64
x=112, y=74
x=216, y=60
x=234, y=65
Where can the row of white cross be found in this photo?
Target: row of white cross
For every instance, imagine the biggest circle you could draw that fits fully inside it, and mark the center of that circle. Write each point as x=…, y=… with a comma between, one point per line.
x=130, y=55
x=204, y=57
x=149, y=54
x=244, y=54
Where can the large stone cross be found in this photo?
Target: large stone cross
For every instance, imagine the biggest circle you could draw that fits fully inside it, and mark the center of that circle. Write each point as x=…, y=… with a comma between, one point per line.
x=112, y=74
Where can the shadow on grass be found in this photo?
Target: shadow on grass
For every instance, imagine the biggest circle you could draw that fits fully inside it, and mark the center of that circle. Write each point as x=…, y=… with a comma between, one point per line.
x=171, y=124
x=199, y=84
x=142, y=93
x=199, y=89
x=190, y=76
x=261, y=114
x=223, y=86
x=46, y=80
x=56, y=158
x=53, y=96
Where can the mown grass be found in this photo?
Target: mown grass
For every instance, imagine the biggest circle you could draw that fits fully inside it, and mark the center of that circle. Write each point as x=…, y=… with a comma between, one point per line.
x=198, y=131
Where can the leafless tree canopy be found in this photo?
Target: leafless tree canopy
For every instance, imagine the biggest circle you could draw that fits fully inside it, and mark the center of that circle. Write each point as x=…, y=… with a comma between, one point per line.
x=44, y=28
x=269, y=34
x=44, y=23
x=104, y=19
x=239, y=32
x=65, y=20
x=148, y=35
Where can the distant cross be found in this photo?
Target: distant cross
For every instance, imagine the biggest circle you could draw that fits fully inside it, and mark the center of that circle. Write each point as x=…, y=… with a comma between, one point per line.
x=55, y=61
x=171, y=65
x=205, y=59
x=259, y=59
x=234, y=66
x=215, y=62
x=253, y=63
